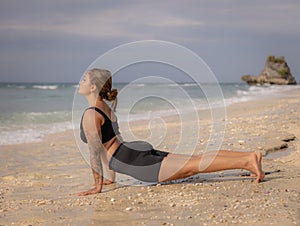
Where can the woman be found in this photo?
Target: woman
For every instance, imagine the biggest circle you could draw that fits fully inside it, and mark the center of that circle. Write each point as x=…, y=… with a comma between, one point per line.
x=99, y=129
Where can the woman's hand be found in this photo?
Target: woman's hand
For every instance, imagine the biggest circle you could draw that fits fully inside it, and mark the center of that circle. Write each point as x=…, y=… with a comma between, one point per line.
x=108, y=181
x=90, y=192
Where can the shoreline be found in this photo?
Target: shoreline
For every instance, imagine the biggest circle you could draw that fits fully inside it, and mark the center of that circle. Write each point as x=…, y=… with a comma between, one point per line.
x=38, y=180
x=40, y=131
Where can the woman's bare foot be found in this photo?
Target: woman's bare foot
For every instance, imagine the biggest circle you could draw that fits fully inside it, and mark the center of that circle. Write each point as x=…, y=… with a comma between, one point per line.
x=259, y=158
x=255, y=166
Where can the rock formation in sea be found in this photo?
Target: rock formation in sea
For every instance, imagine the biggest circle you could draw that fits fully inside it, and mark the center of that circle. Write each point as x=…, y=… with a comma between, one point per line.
x=276, y=71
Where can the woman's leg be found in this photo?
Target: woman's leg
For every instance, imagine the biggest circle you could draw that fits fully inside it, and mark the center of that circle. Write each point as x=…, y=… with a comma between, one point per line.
x=240, y=154
x=176, y=166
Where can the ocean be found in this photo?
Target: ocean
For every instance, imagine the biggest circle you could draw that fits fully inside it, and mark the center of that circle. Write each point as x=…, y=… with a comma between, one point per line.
x=30, y=111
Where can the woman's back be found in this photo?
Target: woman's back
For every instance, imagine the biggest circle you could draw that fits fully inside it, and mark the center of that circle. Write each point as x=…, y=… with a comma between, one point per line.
x=110, y=133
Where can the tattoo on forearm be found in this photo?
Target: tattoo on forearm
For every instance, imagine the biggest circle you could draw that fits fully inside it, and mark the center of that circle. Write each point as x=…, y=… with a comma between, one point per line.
x=96, y=148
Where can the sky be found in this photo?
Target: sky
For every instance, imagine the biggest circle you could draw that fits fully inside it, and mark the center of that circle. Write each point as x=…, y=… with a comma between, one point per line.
x=56, y=40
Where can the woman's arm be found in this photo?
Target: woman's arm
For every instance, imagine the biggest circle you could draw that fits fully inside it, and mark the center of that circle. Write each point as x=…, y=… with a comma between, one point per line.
x=91, y=126
x=111, y=175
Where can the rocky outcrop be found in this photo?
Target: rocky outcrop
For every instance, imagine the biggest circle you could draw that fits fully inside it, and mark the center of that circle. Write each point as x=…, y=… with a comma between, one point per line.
x=276, y=71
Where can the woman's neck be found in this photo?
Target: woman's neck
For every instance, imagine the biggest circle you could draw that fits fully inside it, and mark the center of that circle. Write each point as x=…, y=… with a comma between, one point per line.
x=92, y=100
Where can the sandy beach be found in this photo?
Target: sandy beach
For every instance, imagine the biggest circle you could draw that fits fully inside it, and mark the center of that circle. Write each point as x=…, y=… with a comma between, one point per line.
x=39, y=180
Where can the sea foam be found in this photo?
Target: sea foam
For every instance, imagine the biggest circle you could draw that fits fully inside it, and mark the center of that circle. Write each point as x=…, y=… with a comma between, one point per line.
x=51, y=87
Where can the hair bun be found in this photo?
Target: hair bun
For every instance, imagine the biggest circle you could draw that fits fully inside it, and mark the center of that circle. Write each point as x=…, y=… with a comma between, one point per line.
x=112, y=95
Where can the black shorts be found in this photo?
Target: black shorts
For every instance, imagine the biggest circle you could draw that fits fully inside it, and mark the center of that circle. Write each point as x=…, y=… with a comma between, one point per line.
x=137, y=159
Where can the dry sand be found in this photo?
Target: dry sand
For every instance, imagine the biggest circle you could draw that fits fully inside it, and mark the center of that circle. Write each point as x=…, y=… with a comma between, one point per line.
x=39, y=180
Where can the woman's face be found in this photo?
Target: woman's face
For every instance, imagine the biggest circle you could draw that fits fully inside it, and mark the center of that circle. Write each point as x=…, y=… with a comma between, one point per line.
x=85, y=85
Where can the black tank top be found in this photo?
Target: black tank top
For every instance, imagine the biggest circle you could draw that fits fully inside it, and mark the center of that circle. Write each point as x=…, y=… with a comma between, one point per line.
x=108, y=130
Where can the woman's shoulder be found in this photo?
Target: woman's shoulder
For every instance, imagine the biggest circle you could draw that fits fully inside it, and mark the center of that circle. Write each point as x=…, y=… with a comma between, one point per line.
x=103, y=112
x=91, y=115
x=107, y=112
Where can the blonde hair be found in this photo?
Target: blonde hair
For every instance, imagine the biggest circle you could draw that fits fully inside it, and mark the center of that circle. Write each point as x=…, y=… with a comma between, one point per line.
x=103, y=80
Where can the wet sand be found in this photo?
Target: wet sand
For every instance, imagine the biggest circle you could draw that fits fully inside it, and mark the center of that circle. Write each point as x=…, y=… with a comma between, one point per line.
x=39, y=180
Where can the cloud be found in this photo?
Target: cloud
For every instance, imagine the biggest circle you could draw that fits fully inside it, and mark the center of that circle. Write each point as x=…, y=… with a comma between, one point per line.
x=32, y=28
x=140, y=20
x=264, y=17
x=125, y=22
